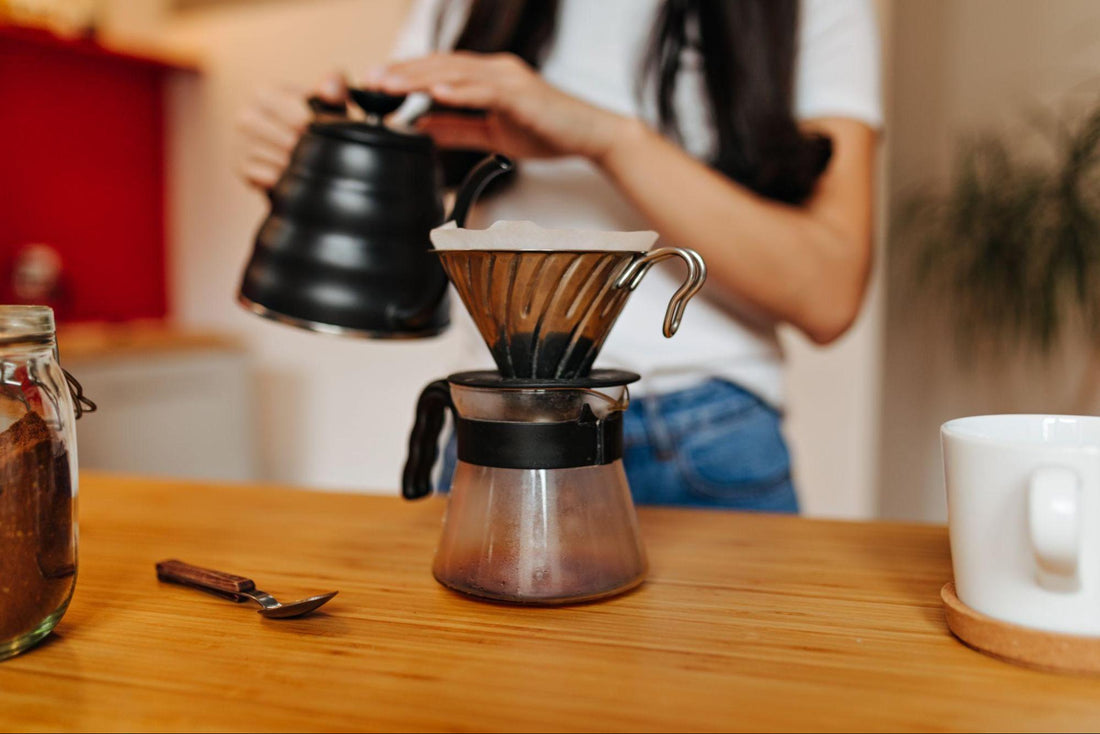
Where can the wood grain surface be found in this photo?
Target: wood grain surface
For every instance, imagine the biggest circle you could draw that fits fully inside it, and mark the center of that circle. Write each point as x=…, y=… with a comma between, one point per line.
x=83, y=342
x=746, y=623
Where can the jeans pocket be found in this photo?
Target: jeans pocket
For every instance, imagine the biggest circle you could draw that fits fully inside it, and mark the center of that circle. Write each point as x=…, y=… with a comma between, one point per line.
x=735, y=458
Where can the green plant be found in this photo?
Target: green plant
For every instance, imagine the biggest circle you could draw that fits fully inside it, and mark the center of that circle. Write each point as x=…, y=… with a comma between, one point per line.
x=1010, y=248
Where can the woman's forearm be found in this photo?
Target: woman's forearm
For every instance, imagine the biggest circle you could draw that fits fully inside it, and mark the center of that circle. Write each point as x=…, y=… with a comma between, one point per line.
x=807, y=265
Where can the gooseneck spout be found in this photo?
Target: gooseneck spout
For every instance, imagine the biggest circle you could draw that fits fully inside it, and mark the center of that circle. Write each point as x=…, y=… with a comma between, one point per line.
x=475, y=182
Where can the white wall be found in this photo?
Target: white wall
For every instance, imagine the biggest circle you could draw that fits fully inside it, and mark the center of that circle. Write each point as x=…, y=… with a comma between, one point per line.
x=961, y=65
x=336, y=412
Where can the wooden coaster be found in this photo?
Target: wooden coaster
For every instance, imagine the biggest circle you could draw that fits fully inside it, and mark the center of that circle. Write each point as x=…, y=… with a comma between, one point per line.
x=1053, y=651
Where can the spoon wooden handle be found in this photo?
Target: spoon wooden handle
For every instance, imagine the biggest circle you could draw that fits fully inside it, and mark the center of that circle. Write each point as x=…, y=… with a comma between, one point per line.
x=207, y=579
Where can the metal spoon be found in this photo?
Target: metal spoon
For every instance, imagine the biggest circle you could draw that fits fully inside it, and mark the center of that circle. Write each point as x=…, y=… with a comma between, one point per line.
x=237, y=588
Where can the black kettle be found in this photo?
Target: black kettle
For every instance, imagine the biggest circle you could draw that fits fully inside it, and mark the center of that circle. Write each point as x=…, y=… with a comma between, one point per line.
x=345, y=248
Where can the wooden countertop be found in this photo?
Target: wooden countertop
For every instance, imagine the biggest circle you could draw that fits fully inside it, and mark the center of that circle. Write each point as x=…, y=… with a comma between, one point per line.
x=136, y=338
x=746, y=622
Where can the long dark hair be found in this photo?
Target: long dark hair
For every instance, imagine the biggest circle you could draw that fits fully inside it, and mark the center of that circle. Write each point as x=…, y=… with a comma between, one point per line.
x=748, y=48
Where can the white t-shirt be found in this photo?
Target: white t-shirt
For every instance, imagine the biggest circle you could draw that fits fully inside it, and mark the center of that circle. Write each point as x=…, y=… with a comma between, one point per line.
x=595, y=55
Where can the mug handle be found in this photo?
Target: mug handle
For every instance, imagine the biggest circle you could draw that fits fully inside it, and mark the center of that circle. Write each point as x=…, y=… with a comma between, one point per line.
x=1054, y=525
x=693, y=283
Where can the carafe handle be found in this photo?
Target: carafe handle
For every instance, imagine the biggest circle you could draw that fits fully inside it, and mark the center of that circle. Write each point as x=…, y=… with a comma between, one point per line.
x=693, y=283
x=435, y=400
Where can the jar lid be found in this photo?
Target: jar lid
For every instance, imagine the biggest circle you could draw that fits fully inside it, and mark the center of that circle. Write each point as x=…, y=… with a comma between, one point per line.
x=26, y=323
x=373, y=131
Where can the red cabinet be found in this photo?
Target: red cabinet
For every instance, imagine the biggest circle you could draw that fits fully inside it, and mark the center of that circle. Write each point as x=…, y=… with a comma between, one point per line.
x=82, y=170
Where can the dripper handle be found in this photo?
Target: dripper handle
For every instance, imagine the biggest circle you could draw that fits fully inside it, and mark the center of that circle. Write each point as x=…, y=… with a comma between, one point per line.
x=435, y=400
x=693, y=283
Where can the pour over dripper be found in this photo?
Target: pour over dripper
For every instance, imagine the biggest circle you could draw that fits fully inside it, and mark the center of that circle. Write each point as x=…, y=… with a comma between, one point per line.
x=545, y=312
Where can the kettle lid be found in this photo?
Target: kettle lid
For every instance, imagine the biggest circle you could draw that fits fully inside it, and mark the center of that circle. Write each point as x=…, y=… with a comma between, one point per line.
x=372, y=131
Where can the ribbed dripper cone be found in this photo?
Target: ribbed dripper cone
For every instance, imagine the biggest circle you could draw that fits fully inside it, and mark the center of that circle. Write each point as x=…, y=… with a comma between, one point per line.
x=543, y=314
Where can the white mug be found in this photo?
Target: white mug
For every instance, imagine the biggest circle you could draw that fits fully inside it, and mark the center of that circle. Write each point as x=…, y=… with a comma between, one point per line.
x=1023, y=506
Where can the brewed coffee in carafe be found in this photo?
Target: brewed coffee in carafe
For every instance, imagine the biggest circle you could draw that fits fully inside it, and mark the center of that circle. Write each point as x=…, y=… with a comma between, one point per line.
x=540, y=510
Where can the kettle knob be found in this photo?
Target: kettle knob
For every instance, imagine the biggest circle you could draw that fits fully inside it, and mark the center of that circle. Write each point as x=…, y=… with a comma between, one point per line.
x=376, y=104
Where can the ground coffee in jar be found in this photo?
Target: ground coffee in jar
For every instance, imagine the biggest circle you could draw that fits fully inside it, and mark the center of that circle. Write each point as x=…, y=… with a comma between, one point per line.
x=37, y=549
x=39, y=402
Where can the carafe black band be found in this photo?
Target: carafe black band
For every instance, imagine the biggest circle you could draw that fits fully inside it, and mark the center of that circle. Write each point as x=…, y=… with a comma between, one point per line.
x=508, y=445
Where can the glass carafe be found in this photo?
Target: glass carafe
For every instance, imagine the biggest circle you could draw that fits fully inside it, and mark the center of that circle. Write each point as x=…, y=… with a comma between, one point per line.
x=540, y=510
x=38, y=481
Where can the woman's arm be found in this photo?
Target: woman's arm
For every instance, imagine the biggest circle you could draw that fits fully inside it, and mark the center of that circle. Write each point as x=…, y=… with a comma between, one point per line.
x=806, y=265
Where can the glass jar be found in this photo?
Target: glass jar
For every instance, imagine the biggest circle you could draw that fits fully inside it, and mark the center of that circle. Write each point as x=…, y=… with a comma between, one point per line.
x=38, y=480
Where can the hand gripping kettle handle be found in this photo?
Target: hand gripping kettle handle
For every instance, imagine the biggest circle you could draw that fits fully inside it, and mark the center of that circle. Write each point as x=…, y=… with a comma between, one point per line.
x=431, y=408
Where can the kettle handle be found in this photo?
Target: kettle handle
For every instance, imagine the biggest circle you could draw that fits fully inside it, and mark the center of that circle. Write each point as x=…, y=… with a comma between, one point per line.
x=475, y=182
x=471, y=188
x=319, y=106
x=435, y=400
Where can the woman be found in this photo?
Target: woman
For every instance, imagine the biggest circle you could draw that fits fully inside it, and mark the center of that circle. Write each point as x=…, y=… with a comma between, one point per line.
x=744, y=130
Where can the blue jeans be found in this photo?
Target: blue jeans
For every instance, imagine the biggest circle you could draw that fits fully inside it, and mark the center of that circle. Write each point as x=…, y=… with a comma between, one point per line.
x=713, y=445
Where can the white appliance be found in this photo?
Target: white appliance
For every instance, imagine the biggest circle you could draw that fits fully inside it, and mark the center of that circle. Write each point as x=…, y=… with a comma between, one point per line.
x=173, y=407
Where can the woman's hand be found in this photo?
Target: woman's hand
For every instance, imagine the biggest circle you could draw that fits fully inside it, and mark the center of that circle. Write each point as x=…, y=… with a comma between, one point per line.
x=525, y=116
x=270, y=126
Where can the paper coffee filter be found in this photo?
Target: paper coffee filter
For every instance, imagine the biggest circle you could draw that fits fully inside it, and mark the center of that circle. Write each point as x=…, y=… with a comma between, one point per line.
x=523, y=235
